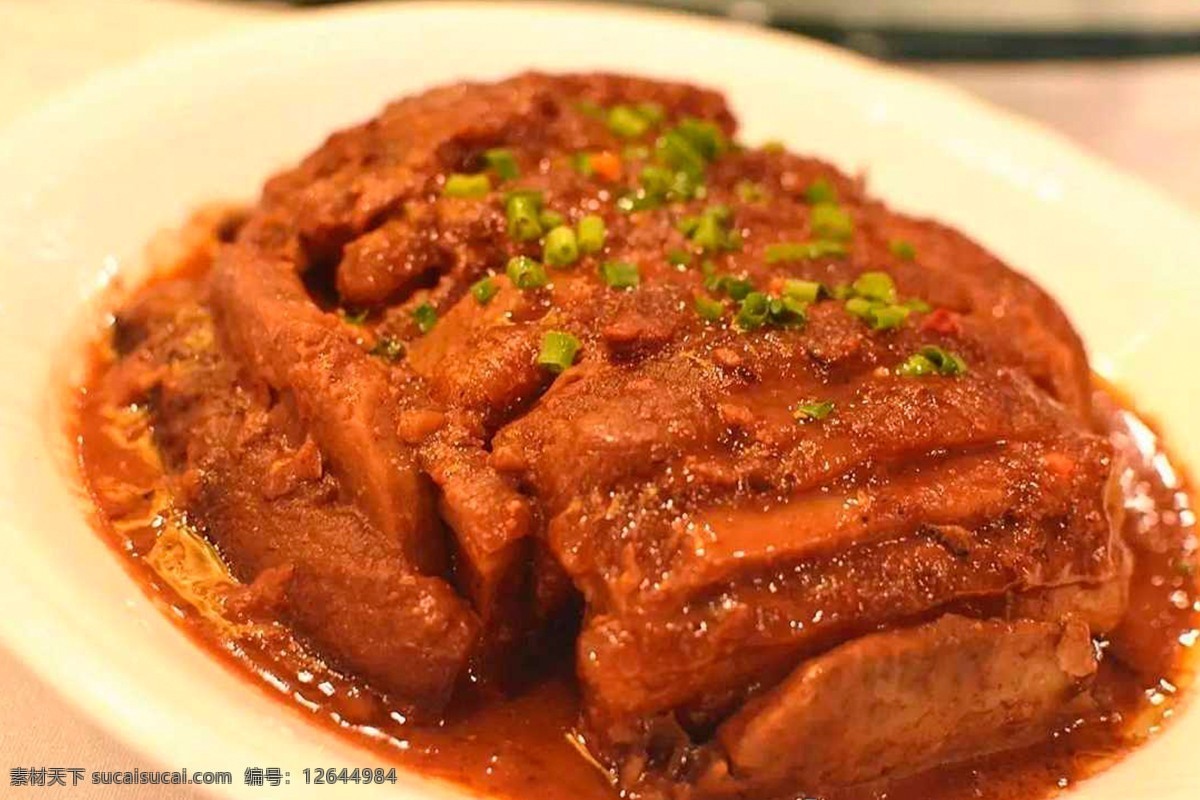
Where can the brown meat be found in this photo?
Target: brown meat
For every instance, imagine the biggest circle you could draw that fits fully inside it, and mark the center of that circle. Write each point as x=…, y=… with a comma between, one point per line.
x=745, y=572
x=256, y=483
x=895, y=703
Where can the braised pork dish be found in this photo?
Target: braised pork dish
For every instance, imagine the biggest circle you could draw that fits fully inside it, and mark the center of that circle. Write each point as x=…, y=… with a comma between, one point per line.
x=559, y=435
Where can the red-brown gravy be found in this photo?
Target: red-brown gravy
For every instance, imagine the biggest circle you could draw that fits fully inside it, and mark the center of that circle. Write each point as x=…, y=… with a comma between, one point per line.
x=507, y=747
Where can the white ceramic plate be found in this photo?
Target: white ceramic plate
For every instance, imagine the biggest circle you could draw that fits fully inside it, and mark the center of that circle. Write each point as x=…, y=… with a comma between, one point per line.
x=86, y=182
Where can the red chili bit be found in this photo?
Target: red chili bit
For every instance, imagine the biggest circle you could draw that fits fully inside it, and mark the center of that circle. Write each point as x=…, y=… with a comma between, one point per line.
x=941, y=320
x=606, y=164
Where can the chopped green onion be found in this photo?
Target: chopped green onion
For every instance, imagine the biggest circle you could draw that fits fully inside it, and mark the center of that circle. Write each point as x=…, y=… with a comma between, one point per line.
x=560, y=248
x=626, y=122
x=804, y=291
x=653, y=113
x=931, y=360
x=736, y=288
x=887, y=317
x=772, y=146
x=388, y=349
x=750, y=192
x=356, y=317
x=620, y=274
x=710, y=310
x=820, y=191
x=917, y=305
x=802, y=251
x=592, y=234
x=558, y=351
x=753, y=312
x=829, y=222
x=675, y=151
x=635, y=152
x=581, y=162
x=467, y=186
x=679, y=258
x=525, y=273
x=550, y=219
x=880, y=316
x=710, y=230
x=787, y=312
x=523, y=210
x=902, y=250
x=704, y=136
x=812, y=412
x=503, y=163
x=483, y=290
x=425, y=316
x=875, y=286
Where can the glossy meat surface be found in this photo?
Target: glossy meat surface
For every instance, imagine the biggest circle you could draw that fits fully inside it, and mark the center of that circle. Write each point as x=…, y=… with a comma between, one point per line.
x=386, y=458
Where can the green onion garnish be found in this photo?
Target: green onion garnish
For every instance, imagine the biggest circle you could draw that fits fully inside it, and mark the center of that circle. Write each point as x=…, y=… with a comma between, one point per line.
x=804, y=291
x=581, y=162
x=676, y=151
x=558, y=351
x=502, y=162
x=620, y=274
x=592, y=234
x=355, y=317
x=876, y=286
x=653, y=113
x=787, y=312
x=820, y=191
x=902, y=250
x=560, y=249
x=710, y=310
x=803, y=251
x=753, y=312
x=483, y=290
x=736, y=288
x=812, y=412
x=523, y=209
x=932, y=360
x=679, y=258
x=635, y=152
x=425, y=316
x=710, y=230
x=626, y=122
x=829, y=222
x=525, y=273
x=879, y=316
x=705, y=137
x=388, y=349
x=550, y=219
x=750, y=192
x=467, y=186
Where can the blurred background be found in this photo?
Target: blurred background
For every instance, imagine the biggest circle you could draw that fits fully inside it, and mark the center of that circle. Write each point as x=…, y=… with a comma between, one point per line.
x=1121, y=77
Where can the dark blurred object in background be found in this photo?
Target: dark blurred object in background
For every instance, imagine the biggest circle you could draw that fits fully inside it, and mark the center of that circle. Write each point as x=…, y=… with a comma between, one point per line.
x=971, y=30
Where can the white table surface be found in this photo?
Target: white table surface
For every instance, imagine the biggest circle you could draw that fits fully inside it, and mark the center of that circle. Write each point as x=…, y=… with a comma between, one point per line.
x=1141, y=115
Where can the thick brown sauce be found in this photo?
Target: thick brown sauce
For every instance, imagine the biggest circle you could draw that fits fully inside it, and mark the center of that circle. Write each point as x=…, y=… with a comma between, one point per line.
x=508, y=747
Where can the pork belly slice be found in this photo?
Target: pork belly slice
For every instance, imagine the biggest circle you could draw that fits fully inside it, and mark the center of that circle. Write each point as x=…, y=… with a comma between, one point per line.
x=252, y=478
x=676, y=431
x=895, y=703
x=750, y=590
x=350, y=590
x=341, y=393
